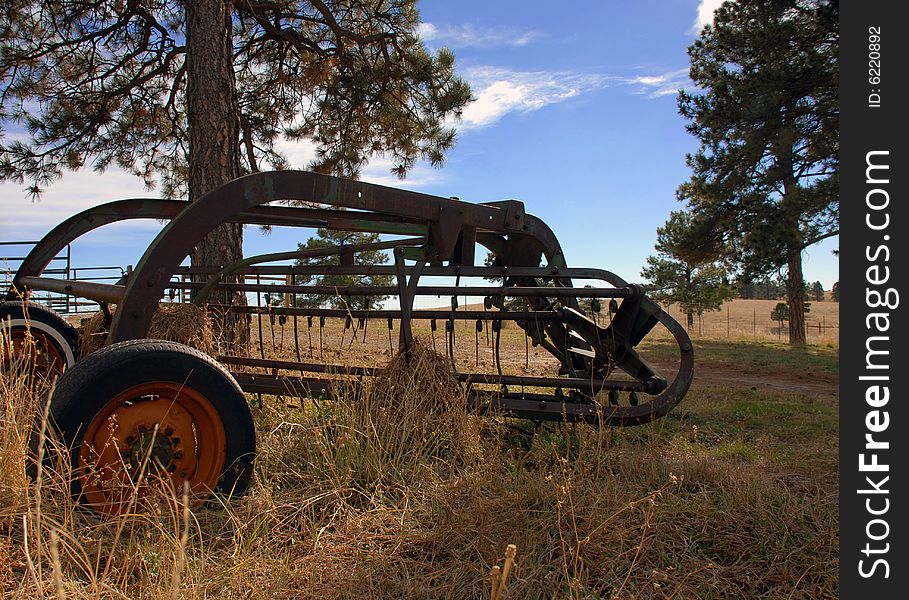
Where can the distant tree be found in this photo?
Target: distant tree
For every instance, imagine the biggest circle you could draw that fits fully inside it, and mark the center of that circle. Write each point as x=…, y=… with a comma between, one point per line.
x=746, y=290
x=780, y=313
x=326, y=238
x=762, y=288
x=764, y=185
x=817, y=291
x=697, y=286
x=835, y=292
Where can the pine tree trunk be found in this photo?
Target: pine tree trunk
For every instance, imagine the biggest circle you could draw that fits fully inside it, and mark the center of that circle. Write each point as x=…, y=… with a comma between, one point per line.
x=214, y=128
x=795, y=295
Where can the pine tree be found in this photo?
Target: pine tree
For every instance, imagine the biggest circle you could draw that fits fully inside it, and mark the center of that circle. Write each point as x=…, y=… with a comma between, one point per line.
x=764, y=185
x=194, y=94
x=326, y=238
x=674, y=278
x=817, y=291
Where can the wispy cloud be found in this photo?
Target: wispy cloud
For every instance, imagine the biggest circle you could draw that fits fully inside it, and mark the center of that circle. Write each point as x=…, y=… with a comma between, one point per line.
x=467, y=35
x=706, y=8
x=501, y=91
x=661, y=84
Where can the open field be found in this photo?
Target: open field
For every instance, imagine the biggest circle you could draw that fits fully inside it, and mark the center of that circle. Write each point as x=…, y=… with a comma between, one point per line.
x=394, y=491
x=750, y=319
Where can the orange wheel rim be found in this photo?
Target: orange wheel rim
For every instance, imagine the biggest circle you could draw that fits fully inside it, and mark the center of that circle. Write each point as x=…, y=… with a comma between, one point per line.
x=40, y=349
x=154, y=435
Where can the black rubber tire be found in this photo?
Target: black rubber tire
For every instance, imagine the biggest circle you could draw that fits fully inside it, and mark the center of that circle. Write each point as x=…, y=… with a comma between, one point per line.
x=36, y=317
x=86, y=388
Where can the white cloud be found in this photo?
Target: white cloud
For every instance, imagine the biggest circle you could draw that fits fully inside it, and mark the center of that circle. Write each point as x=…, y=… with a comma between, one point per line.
x=22, y=218
x=706, y=8
x=467, y=35
x=664, y=84
x=502, y=91
x=499, y=92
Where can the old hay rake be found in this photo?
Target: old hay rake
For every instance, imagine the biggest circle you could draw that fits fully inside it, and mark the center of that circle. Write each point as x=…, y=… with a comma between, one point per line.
x=140, y=403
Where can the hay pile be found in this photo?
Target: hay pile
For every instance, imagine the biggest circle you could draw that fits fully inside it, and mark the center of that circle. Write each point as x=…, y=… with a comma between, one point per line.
x=176, y=322
x=422, y=378
x=407, y=423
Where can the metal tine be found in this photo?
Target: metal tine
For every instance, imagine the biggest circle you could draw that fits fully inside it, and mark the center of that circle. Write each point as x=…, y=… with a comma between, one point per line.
x=259, y=319
x=487, y=304
x=477, y=339
x=282, y=321
x=391, y=347
x=449, y=331
x=432, y=332
x=271, y=323
x=321, y=326
x=366, y=319
x=497, y=329
x=450, y=326
x=309, y=333
x=296, y=340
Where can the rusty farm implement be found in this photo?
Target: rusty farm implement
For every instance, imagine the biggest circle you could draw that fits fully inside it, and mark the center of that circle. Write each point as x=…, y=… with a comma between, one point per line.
x=139, y=401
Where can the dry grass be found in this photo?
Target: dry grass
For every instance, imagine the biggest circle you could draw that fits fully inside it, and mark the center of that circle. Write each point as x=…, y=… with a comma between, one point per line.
x=741, y=319
x=176, y=322
x=391, y=490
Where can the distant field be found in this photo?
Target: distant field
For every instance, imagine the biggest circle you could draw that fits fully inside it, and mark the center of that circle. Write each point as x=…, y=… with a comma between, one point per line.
x=750, y=319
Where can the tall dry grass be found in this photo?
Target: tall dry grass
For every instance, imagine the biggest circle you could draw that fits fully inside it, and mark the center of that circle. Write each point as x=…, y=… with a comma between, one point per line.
x=390, y=489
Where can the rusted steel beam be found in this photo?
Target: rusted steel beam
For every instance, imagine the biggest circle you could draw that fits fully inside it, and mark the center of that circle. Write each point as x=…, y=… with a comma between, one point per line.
x=340, y=313
x=100, y=292
x=595, y=385
x=545, y=273
x=281, y=386
x=356, y=290
x=287, y=365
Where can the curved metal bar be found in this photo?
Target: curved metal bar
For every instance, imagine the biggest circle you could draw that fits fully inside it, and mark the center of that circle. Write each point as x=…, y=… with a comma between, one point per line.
x=87, y=220
x=238, y=266
x=674, y=392
x=179, y=237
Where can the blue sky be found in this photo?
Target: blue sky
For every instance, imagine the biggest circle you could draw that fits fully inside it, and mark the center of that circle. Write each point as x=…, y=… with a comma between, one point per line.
x=574, y=114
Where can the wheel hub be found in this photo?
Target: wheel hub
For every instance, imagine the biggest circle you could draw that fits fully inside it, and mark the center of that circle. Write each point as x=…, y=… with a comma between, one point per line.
x=160, y=447
x=39, y=349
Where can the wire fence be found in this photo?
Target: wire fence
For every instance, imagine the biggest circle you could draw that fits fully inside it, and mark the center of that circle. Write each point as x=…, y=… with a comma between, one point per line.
x=12, y=253
x=741, y=318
